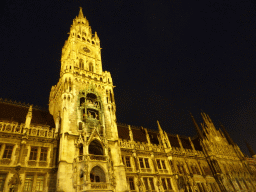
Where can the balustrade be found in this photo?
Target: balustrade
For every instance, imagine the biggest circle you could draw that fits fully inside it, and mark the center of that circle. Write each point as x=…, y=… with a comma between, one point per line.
x=99, y=185
x=91, y=157
x=33, y=131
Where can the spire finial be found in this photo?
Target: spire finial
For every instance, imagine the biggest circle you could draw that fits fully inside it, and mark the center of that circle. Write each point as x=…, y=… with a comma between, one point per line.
x=28, y=117
x=159, y=127
x=80, y=15
x=252, y=153
x=230, y=140
x=198, y=130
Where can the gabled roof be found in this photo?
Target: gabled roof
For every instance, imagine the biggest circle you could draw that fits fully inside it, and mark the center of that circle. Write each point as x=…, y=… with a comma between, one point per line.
x=12, y=111
x=174, y=141
x=139, y=135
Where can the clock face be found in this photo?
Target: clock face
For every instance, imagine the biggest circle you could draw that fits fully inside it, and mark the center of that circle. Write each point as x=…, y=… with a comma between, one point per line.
x=86, y=50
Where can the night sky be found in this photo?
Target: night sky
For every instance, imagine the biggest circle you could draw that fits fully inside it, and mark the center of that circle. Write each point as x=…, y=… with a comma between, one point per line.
x=166, y=58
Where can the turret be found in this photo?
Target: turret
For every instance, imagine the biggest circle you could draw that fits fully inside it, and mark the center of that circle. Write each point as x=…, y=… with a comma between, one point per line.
x=229, y=139
x=198, y=130
x=251, y=151
x=28, y=117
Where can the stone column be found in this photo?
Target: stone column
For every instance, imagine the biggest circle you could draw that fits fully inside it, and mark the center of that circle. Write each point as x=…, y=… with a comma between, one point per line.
x=22, y=147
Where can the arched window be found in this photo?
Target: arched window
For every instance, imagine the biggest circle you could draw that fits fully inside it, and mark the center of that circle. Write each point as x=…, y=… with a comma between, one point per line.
x=81, y=152
x=110, y=95
x=80, y=125
x=90, y=67
x=95, y=148
x=97, y=175
x=81, y=63
x=107, y=95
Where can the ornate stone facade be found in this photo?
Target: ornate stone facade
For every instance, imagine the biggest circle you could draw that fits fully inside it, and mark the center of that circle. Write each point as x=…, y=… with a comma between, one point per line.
x=80, y=147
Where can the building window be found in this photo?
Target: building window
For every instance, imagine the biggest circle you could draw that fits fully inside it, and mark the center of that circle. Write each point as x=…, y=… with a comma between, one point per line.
x=131, y=183
x=166, y=183
x=214, y=187
x=2, y=181
x=33, y=153
x=149, y=183
x=141, y=163
x=40, y=183
x=8, y=152
x=43, y=155
x=181, y=168
x=144, y=163
x=158, y=164
x=28, y=183
x=199, y=187
x=161, y=164
x=127, y=161
x=146, y=183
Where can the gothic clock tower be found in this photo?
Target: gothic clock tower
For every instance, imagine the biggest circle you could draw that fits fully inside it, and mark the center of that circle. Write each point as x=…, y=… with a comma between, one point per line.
x=83, y=106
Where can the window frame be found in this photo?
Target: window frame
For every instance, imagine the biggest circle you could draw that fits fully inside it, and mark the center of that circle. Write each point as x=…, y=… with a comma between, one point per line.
x=8, y=152
x=38, y=181
x=34, y=154
x=131, y=183
x=145, y=162
x=149, y=183
x=26, y=187
x=45, y=154
x=141, y=161
x=128, y=161
x=161, y=164
x=2, y=180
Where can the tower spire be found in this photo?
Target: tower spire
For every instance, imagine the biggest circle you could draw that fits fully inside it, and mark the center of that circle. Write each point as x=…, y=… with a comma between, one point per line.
x=159, y=127
x=252, y=153
x=199, y=132
x=80, y=15
x=28, y=117
x=230, y=140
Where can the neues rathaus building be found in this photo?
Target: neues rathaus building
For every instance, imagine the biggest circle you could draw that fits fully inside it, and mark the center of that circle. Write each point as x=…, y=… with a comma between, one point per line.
x=78, y=146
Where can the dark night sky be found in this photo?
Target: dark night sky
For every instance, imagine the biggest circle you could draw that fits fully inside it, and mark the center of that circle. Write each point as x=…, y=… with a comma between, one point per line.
x=166, y=58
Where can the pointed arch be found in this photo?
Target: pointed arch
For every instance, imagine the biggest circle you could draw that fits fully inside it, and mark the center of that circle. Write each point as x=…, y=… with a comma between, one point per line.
x=91, y=67
x=81, y=63
x=95, y=147
x=97, y=174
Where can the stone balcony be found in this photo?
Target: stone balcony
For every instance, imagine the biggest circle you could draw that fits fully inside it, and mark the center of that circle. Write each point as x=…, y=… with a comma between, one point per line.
x=91, y=157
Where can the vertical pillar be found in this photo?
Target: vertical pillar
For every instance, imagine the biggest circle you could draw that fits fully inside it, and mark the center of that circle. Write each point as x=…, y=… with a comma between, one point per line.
x=22, y=146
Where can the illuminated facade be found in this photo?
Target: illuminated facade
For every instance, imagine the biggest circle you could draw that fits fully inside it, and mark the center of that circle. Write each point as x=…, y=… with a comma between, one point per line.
x=79, y=146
